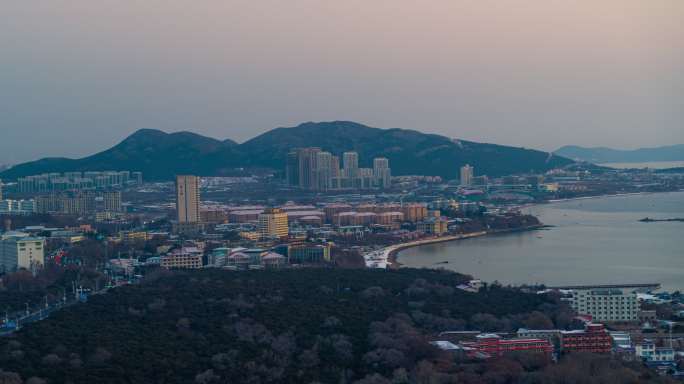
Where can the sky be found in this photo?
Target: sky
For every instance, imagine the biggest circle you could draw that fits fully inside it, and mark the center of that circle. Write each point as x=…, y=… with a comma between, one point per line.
x=78, y=76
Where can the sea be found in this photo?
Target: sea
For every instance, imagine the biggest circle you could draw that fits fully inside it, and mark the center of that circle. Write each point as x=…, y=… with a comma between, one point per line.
x=649, y=164
x=593, y=241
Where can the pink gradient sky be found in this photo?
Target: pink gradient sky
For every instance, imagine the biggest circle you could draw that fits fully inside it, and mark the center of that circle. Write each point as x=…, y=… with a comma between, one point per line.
x=538, y=74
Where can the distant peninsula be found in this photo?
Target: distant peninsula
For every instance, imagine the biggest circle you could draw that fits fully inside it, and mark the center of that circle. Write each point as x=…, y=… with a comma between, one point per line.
x=610, y=155
x=650, y=220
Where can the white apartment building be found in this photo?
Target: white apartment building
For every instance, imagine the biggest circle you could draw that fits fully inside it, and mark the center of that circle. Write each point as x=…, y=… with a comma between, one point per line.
x=18, y=250
x=606, y=304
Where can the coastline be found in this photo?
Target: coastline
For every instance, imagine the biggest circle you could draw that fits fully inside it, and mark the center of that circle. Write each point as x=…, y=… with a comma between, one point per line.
x=599, y=196
x=388, y=257
x=392, y=251
x=606, y=195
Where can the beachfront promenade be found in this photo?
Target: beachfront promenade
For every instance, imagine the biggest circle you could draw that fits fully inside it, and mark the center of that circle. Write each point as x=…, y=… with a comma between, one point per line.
x=383, y=258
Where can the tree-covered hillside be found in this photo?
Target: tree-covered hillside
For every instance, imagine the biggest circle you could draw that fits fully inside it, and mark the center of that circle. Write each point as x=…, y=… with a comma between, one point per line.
x=290, y=326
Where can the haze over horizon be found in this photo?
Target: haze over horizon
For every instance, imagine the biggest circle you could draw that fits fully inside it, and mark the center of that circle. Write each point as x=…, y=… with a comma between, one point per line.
x=77, y=77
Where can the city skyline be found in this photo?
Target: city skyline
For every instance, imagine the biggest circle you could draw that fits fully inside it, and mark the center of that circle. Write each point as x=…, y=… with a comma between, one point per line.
x=311, y=168
x=539, y=74
x=356, y=192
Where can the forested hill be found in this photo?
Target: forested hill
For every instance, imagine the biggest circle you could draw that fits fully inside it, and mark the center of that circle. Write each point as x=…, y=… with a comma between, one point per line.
x=290, y=326
x=161, y=155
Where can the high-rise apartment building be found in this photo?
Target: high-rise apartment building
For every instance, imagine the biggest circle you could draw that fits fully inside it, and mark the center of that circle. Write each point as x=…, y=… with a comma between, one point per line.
x=350, y=161
x=323, y=171
x=67, y=203
x=316, y=170
x=75, y=202
x=382, y=172
x=467, y=173
x=111, y=201
x=273, y=224
x=307, y=167
x=69, y=181
x=292, y=167
x=335, y=167
x=137, y=177
x=188, y=198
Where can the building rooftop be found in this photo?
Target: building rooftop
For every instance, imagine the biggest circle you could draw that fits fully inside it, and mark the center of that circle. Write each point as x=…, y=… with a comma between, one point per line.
x=305, y=213
x=247, y=212
x=446, y=345
x=488, y=336
x=608, y=286
x=525, y=330
x=31, y=238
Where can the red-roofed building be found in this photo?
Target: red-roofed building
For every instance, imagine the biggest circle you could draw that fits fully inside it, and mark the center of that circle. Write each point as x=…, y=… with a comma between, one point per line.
x=593, y=338
x=493, y=345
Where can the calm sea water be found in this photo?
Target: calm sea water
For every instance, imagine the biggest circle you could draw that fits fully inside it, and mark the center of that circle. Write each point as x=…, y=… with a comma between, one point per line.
x=649, y=164
x=595, y=241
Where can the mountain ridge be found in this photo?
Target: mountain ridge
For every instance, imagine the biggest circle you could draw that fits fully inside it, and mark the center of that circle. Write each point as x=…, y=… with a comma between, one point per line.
x=612, y=155
x=160, y=155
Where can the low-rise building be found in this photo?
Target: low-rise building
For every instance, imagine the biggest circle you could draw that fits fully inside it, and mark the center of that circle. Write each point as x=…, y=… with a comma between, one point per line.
x=647, y=351
x=593, y=338
x=551, y=335
x=239, y=260
x=272, y=260
x=217, y=257
x=391, y=218
x=494, y=345
x=244, y=216
x=133, y=236
x=250, y=235
x=308, y=253
x=647, y=316
x=187, y=257
x=622, y=345
x=433, y=226
x=213, y=216
x=414, y=212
